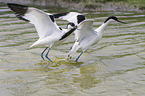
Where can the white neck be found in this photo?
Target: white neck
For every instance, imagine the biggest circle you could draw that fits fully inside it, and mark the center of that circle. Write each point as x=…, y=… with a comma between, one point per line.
x=102, y=27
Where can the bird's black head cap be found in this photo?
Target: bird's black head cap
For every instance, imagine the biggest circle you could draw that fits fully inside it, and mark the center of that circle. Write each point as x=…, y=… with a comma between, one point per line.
x=111, y=17
x=71, y=24
x=114, y=18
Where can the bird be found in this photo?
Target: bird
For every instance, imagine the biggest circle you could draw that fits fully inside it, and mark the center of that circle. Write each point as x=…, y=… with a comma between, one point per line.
x=87, y=36
x=48, y=31
x=74, y=19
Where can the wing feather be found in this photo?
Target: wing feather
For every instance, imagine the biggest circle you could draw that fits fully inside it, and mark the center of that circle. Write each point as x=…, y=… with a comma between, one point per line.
x=85, y=29
x=74, y=17
x=43, y=22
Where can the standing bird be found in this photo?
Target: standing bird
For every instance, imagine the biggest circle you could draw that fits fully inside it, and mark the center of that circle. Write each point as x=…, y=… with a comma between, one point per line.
x=49, y=32
x=87, y=36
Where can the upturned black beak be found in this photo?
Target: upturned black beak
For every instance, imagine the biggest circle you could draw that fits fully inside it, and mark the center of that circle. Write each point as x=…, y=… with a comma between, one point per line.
x=121, y=22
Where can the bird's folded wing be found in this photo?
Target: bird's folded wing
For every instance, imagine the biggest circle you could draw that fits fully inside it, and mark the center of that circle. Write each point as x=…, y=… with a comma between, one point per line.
x=44, y=22
x=85, y=29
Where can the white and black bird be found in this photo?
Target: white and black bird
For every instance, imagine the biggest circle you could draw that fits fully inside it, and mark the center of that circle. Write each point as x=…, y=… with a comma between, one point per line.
x=74, y=19
x=87, y=36
x=49, y=32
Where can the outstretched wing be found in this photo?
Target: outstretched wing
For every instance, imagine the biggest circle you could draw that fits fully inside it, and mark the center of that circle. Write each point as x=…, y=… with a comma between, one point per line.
x=44, y=22
x=73, y=17
x=85, y=29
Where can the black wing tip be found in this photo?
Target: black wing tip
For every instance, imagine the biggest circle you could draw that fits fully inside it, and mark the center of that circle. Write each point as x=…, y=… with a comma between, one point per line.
x=18, y=8
x=21, y=18
x=52, y=18
x=10, y=5
x=60, y=14
x=80, y=18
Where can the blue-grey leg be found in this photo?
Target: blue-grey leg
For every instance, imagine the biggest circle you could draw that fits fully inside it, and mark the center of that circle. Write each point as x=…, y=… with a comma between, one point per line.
x=43, y=53
x=79, y=55
x=70, y=47
x=69, y=56
x=47, y=55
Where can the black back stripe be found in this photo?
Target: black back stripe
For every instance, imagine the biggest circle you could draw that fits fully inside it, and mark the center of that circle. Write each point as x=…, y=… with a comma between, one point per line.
x=60, y=14
x=68, y=33
x=60, y=28
x=51, y=17
x=80, y=18
x=18, y=9
x=21, y=18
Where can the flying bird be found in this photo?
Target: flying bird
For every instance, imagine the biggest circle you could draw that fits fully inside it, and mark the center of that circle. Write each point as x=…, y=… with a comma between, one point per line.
x=87, y=36
x=74, y=19
x=48, y=31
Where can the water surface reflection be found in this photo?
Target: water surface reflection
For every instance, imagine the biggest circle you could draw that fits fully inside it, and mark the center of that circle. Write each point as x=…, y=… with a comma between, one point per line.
x=114, y=66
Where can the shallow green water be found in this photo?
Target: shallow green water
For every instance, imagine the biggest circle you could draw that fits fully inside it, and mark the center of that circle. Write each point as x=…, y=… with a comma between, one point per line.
x=113, y=67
